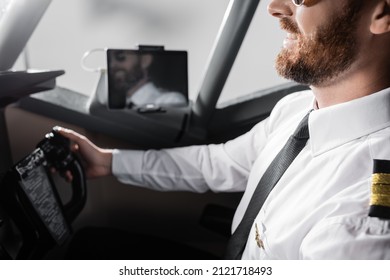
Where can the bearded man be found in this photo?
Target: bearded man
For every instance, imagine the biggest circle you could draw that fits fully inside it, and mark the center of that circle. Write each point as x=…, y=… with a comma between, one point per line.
x=130, y=84
x=325, y=203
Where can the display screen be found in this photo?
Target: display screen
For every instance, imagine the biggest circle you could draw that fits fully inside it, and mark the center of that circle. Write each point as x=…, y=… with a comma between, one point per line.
x=140, y=78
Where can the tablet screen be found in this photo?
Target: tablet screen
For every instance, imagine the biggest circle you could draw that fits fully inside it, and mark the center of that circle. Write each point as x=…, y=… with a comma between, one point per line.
x=139, y=78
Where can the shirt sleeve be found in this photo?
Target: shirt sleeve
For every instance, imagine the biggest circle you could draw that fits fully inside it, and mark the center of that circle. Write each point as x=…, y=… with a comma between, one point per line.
x=219, y=168
x=364, y=238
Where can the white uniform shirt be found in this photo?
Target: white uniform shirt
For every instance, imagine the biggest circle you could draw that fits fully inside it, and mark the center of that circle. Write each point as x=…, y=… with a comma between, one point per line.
x=319, y=208
x=150, y=94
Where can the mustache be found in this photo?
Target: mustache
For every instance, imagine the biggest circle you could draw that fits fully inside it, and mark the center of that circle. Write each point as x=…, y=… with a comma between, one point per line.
x=289, y=26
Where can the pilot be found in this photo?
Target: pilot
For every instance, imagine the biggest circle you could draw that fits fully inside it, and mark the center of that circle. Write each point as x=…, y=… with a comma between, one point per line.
x=131, y=81
x=325, y=203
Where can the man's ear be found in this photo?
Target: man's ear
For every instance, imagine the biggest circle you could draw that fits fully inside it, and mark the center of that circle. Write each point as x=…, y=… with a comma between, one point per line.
x=146, y=60
x=380, y=21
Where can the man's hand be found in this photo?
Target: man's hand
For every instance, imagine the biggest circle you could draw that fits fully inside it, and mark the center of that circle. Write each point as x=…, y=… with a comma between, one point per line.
x=97, y=161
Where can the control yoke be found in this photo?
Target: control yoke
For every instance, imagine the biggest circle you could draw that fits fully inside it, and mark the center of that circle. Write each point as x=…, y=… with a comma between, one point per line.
x=31, y=201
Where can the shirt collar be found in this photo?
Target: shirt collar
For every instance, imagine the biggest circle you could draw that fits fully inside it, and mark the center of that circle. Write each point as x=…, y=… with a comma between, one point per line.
x=145, y=94
x=336, y=125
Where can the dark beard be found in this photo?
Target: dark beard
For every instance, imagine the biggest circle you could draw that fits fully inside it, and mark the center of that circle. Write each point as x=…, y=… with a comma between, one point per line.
x=130, y=80
x=331, y=51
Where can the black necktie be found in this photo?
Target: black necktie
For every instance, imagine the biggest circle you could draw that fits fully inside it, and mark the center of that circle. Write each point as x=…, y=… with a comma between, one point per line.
x=278, y=166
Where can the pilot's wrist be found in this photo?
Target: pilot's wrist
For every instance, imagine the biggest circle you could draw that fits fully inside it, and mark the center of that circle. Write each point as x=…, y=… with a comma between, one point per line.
x=107, y=161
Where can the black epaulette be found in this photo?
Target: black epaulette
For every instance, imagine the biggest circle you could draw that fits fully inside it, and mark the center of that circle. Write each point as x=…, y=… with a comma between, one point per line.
x=380, y=190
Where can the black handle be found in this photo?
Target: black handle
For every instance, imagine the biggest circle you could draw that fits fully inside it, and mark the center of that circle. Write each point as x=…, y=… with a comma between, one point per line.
x=59, y=155
x=79, y=191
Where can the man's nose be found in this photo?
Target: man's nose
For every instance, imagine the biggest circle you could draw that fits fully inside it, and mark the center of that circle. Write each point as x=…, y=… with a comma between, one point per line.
x=280, y=8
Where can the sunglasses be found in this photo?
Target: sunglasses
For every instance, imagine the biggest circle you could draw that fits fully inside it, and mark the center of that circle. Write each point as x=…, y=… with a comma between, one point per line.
x=298, y=2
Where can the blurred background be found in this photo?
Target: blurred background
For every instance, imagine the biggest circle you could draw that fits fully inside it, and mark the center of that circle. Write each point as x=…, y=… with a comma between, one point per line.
x=72, y=27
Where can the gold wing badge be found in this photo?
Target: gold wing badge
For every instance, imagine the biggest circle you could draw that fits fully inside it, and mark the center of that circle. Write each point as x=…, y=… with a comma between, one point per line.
x=380, y=190
x=259, y=242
